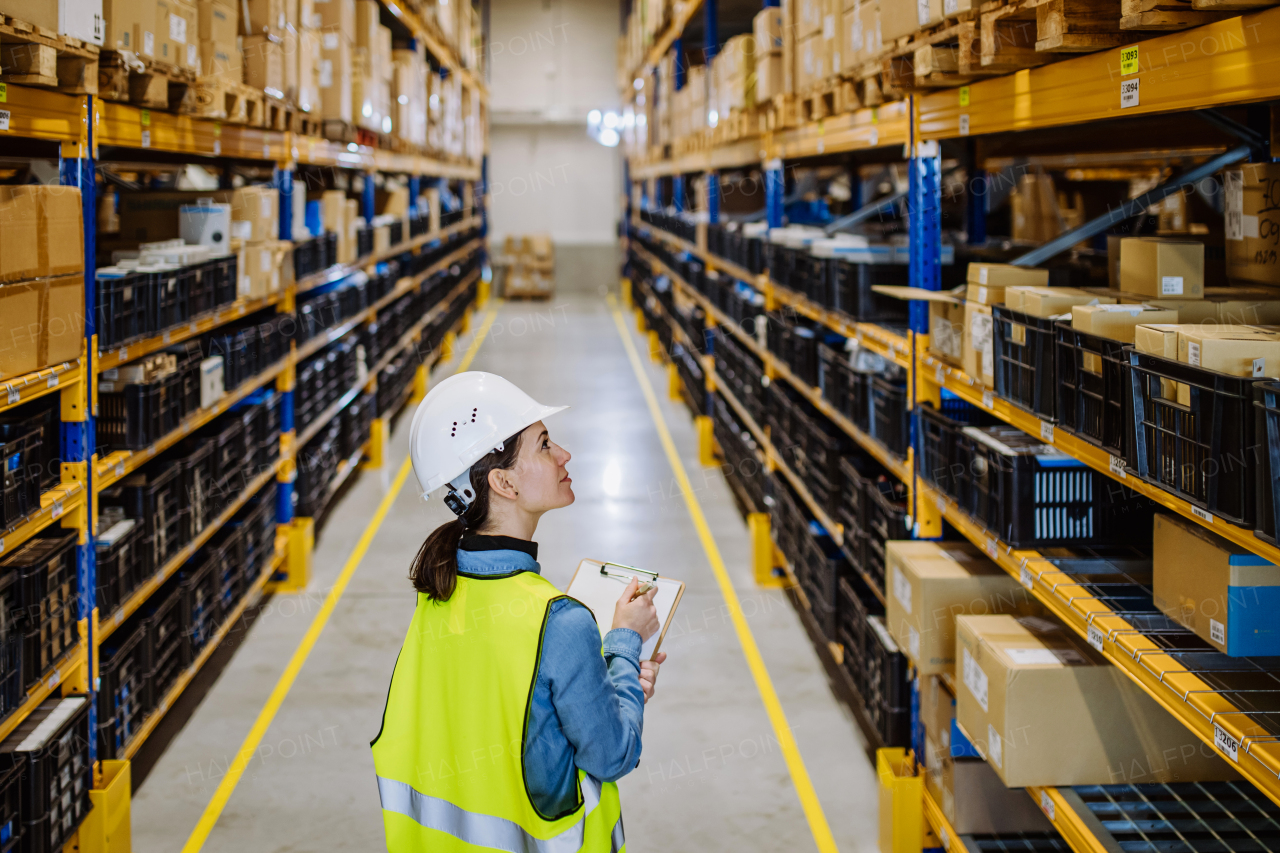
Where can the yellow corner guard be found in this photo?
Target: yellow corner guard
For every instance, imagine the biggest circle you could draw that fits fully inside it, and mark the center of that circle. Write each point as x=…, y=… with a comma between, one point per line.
x=762, y=562
x=448, y=345
x=640, y=327
x=674, y=385
x=107, y=828
x=421, y=381
x=295, y=571
x=901, y=802
x=379, y=441
x=706, y=441
x=624, y=286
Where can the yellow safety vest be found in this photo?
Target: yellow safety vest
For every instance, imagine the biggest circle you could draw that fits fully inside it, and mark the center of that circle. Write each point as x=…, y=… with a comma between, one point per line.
x=450, y=755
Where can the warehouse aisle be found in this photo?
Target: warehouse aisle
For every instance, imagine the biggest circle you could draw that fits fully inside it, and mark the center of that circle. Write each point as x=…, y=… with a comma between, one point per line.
x=712, y=776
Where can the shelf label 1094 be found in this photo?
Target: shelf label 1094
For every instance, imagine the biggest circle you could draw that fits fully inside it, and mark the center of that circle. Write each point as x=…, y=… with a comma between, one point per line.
x=1129, y=93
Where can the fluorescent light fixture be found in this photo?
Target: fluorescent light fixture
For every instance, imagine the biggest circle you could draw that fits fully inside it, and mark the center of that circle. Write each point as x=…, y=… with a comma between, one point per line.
x=713, y=118
x=611, y=119
x=593, y=117
x=642, y=120
x=609, y=138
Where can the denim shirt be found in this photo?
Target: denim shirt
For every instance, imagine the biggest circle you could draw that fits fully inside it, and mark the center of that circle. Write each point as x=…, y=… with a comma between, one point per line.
x=586, y=711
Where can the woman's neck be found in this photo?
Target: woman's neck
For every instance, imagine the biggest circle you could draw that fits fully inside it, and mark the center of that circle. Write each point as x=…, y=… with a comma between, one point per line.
x=517, y=525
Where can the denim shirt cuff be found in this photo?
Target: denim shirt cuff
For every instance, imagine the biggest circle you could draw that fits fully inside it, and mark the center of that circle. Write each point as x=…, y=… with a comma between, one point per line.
x=624, y=643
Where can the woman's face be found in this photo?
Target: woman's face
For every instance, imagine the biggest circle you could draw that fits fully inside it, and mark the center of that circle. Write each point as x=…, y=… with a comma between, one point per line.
x=540, y=476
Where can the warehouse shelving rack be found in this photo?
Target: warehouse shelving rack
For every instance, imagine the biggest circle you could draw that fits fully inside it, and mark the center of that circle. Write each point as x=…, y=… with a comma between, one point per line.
x=1227, y=63
x=78, y=127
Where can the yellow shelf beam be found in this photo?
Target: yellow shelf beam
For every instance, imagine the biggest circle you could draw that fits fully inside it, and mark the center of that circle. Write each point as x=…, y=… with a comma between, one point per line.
x=682, y=15
x=58, y=674
x=197, y=326
x=64, y=498
x=32, y=386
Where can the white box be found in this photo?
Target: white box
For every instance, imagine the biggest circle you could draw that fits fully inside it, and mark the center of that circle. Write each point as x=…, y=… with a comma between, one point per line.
x=211, y=389
x=206, y=223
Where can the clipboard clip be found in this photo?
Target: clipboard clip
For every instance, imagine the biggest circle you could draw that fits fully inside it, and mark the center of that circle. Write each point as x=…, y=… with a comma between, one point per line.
x=652, y=576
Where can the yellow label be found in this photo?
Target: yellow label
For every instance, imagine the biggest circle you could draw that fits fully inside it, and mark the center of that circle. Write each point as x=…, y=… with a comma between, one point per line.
x=146, y=118
x=964, y=96
x=217, y=128
x=875, y=115
x=1129, y=60
x=4, y=93
x=822, y=127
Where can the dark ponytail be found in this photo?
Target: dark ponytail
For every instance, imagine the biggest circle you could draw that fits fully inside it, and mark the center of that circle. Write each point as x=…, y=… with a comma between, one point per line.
x=435, y=568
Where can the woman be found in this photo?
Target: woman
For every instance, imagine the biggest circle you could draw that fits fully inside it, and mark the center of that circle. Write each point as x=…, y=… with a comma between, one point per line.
x=507, y=723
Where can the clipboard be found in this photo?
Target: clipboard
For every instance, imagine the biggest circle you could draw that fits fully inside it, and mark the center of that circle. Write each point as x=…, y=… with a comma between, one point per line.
x=599, y=584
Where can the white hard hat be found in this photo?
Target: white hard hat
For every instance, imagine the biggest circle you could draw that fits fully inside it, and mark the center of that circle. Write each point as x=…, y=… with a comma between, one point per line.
x=461, y=420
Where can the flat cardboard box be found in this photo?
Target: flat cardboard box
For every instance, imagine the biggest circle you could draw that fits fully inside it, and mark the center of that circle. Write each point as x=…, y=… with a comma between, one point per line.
x=264, y=63
x=20, y=327
x=977, y=356
x=1045, y=709
x=64, y=319
x=19, y=226
x=1235, y=350
x=1007, y=275
x=1162, y=268
x=217, y=21
x=767, y=29
x=929, y=584
x=1117, y=322
x=1228, y=596
x=1252, y=221
x=1050, y=301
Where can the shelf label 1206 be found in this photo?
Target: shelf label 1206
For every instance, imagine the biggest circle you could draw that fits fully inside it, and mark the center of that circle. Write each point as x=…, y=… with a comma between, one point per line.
x=1129, y=93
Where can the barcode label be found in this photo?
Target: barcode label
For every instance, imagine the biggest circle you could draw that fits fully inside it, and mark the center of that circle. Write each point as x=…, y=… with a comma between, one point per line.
x=146, y=139
x=1116, y=464
x=4, y=119
x=217, y=147
x=994, y=751
x=52, y=383
x=166, y=337
x=1217, y=631
x=57, y=509
x=14, y=396
x=988, y=400
x=119, y=469
x=124, y=353
x=939, y=374
x=54, y=679
x=119, y=616
x=945, y=838
x=941, y=502
x=1206, y=517
x=1046, y=805
x=1046, y=431
x=1225, y=743
x=1024, y=578
x=964, y=124
x=1095, y=637
x=1129, y=93
x=993, y=551
x=974, y=678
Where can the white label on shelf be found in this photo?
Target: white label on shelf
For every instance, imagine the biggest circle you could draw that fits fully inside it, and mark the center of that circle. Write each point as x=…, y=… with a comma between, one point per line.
x=1217, y=631
x=1206, y=517
x=941, y=501
x=4, y=119
x=988, y=399
x=217, y=147
x=119, y=469
x=974, y=678
x=993, y=550
x=119, y=616
x=166, y=337
x=1046, y=431
x=1171, y=285
x=913, y=643
x=1116, y=465
x=54, y=679
x=902, y=589
x=939, y=374
x=1095, y=637
x=191, y=327
x=146, y=139
x=1259, y=366
x=945, y=838
x=994, y=753
x=1226, y=743
x=14, y=395
x=1233, y=200
x=57, y=509
x=124, y=353
x=875, y=135
x=1046, y=805
x=964, y=124
x=1129, y=93
x=982, y=276
x=1, y=546
x=52, y=383
x=1025, y=578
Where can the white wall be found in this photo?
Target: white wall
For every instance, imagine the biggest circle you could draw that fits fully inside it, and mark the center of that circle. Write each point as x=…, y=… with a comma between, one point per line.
x=552, y=62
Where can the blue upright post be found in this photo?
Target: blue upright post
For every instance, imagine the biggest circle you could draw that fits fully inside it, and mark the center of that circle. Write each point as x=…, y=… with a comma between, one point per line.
x=713, y=197
x=366, y=200
x=682, y=67
x=709, y=344
x=975, y=225
x=710, y=31
x=774, y=190
x=76, y=437
x=677, y=193
x=925, y=224
x=415, y=189
x=284, y=485
x=283, y=180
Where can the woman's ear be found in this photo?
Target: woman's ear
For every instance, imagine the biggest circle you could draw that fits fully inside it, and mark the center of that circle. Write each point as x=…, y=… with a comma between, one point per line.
x=501, y=483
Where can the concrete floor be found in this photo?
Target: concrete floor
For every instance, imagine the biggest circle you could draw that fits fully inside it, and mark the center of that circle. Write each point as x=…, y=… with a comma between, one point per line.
x=712, y=776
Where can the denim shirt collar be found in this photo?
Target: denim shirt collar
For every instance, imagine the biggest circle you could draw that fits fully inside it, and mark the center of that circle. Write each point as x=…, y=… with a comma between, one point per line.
x=500, y=562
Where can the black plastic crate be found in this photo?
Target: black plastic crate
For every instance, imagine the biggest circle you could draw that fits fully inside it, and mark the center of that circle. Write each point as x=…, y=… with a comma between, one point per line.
x=123, y=678
x=21, y=455
x=46, y=566
x=1031, y=495
x=52, y=749
x=852, y=295
x=153, y=495
x=121, y=312
x=886, y=513
x=120, y=565
x=229, y=447
x=201, y=609
x=1205, y=449
x=890, y=419
x=12, y=683
x=364, y=241
x=194, y=462
x=167, y=650
x=1267, y=429
x=1023, y=350
x=939, y=431
x=887, y=691
x=11, y=809
x=1093, y=389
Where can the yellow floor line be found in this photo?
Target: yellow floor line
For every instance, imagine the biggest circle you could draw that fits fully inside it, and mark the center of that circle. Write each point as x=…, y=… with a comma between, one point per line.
x=795, y=764
x=220, y=797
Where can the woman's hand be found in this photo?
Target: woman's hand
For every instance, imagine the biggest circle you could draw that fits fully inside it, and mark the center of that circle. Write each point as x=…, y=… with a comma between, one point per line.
x=639, y=615
x=649, y=674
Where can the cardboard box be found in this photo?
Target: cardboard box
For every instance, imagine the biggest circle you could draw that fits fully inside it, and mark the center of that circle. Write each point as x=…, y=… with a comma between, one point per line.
x=872, y=41
x=164, y=44
x=1006, y=275
x=339, y=17
x=930, y=583
x=184, y=34
x=808, y=17
x=1228, y=596
x=20, y=327
x=1235, y=350
x=82, y=19
x=898, y=18
x=1160, y=339
x=767, y=30
x=852, y=41
x=1162, y=268
x=63, y=322
x=308, y=94
x=1117, y=322
x=1252, y=222
x=221, y=61
x=130, y=25
x=60, y=230
x=217, y=22
x=368, y=19
x=977, y=357
x=335, y=76
x=769, y=80
x=259, y=206
x=265, y=16
x=19, y=226
x=975, y=801
x=1046, y=709
x=928, y=12
x=264, y=63
x=261, y=276
x=811, y=62
x=1050, y=301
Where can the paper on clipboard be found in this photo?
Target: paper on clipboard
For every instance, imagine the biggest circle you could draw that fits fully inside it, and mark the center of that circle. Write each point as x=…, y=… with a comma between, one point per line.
x=600, y=593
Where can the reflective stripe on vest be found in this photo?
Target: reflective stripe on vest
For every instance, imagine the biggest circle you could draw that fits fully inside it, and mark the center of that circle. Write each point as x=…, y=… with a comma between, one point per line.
x=486, y=830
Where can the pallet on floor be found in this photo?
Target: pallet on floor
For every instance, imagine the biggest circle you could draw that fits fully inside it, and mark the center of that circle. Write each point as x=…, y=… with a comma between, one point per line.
x=225, y=100
x=34, y=56
x=126, y=77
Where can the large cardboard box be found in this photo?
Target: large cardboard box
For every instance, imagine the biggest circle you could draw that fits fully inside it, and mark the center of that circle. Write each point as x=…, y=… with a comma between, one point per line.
x=368, y=19
x=337, y=16
x=308, y=94
x=872, y=39
x=930, y=583
x=217, y=22
x=767, y=30
x=1160, y=339
x=1228, y=596
x=977, y=354
x=264, y=63
x=1237, y=350
x=259, y=206
x=1044, y=708
x=220, y=60
x=1162, y=268
x=20, y=327
x=265, y=16
x=63, y=322
x=82, y=19
x=184, y=30
x=976, y=802
x=898, y=18
x=812, y=62
x=335, y=75
x=809, y=15
x=19, y=225
x=1006, y=275
x=60, y=230
x=130, y=25
x=1252, y=222
x=768, y=77
x=164, y=43
x=1117, y=322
